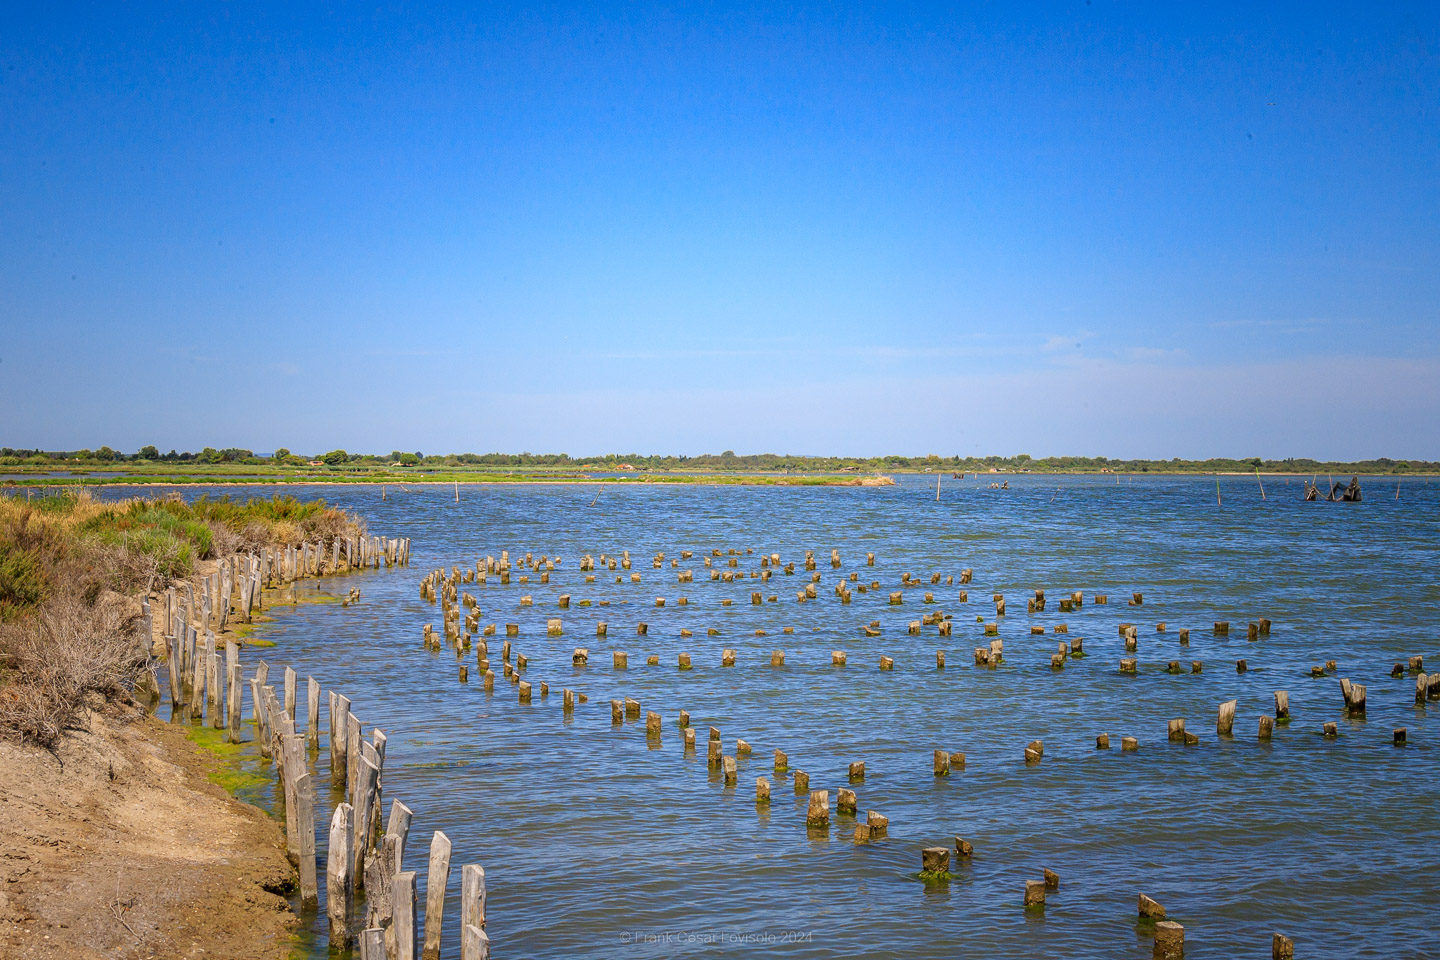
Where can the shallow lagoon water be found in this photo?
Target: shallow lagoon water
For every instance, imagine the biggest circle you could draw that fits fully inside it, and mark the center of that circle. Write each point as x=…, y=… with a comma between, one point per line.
x=597, y=843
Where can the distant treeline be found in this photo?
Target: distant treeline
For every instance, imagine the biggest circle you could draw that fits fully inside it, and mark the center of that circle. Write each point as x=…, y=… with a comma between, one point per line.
x=728, y=461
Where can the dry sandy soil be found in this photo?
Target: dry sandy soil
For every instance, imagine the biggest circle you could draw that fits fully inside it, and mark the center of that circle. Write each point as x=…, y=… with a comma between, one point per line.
x=117, y=846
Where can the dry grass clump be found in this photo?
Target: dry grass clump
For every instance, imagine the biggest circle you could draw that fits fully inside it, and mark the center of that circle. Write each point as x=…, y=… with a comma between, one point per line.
x=56, y=659
x=62, y=558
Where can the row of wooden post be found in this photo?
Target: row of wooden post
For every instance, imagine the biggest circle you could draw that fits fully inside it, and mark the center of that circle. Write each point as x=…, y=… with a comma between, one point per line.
x=360, y=857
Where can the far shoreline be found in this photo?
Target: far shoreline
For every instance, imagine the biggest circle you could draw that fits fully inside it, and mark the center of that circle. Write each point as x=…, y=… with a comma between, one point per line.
x=673, y=480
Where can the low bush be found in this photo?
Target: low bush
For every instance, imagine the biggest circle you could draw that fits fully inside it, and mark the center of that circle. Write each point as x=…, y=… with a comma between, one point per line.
x=67, y=563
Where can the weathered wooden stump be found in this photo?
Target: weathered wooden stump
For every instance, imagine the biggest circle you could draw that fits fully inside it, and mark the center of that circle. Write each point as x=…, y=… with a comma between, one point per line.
x=817, y=813
x=1225, y=725
x=1169, y=941
x=935, y=863
x=1035, y=894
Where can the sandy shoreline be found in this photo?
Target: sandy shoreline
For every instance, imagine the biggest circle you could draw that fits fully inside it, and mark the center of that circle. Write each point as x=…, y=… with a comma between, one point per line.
x=119, y=845
x=123, y=843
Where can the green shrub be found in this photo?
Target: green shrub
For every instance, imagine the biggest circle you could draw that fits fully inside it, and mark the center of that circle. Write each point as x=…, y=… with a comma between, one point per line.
x=22, y=581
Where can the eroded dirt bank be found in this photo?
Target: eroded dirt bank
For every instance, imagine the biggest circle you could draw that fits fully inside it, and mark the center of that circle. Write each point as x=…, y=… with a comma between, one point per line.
x=118, y=846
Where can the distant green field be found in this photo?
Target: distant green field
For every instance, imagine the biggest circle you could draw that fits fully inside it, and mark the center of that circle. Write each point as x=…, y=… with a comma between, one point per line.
x=33, y=467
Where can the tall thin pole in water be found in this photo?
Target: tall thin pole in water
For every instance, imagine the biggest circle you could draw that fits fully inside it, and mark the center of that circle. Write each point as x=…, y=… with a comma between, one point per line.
x=1397, y=488
x=457, y=491
x=937, y=489
x=1262, y=484
x=1217, y=489
x=382, y=491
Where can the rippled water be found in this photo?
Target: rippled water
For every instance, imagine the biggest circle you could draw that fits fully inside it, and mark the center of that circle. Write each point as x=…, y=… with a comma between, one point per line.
x=590, y=836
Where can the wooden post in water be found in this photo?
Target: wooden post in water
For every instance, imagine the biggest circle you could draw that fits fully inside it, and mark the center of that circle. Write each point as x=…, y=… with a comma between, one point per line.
x=339, y=884
x=1169, y=941
x=1226, y=723
x=290, y=693
x=312, y=713
x=234, y=701
x=402, y=898
x=436, y=881
x=398, y=826
x=472, y=896
x=305, y=828
x=368, y=775
x=372, y=944
x=475, y=945
x=817, y=813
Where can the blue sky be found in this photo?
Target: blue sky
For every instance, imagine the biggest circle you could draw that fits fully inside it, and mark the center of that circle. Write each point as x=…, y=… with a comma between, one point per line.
x=1091, y=228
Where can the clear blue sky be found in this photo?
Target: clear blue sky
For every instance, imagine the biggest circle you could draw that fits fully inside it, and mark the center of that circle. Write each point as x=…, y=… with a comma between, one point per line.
x=1099, y=228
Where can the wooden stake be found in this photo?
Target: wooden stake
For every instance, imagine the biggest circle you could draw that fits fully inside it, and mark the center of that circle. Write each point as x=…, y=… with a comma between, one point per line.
x=305, y=828
x=339, y=884
x=402, y=897
x=472, y=896
x=435, y=883
x=475, y=945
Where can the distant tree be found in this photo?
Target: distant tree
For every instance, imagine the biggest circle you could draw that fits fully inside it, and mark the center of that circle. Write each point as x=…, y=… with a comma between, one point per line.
x=147, y=452
x=105, y=453
x=336, y=457
x=408, y=459
x=281, y=454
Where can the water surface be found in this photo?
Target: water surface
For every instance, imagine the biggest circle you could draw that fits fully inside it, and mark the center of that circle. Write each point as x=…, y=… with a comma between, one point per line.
x=597, y=843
